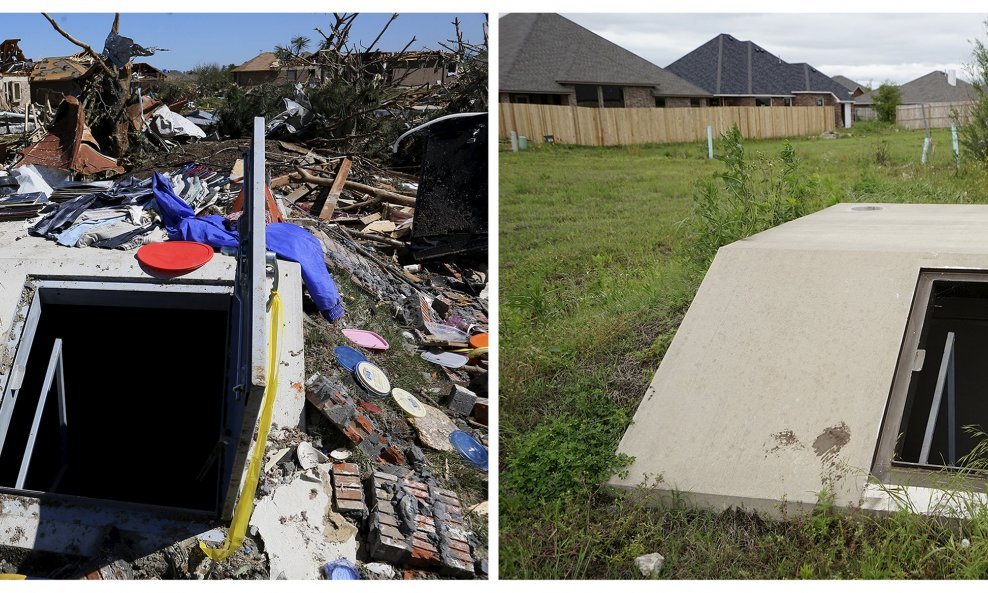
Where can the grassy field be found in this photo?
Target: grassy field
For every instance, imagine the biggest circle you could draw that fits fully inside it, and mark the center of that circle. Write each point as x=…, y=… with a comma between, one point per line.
x=597, y=268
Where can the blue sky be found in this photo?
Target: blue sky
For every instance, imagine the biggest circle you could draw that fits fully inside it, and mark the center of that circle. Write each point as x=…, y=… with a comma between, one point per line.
x=225, y=38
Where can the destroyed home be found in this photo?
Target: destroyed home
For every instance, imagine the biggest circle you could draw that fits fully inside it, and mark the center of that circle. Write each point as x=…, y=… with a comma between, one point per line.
x=52, y=79
x=15, y=81
x=337, y=424
x=548, y=59
x=742, y=73
x=421, y=69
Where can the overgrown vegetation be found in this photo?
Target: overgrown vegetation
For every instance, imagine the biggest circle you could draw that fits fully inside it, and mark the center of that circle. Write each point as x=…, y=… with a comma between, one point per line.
x=602, y=250
x=887, y=98
x=751, y=195
x=974, y=134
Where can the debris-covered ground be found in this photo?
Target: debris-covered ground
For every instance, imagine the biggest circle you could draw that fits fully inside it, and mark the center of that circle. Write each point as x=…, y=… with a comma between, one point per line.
x=386, y=476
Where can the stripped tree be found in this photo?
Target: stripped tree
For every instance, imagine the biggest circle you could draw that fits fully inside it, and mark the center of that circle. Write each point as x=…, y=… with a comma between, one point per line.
x=106, y=91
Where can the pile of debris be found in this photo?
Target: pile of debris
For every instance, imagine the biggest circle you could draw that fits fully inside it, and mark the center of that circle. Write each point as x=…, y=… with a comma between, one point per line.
x=384, y=472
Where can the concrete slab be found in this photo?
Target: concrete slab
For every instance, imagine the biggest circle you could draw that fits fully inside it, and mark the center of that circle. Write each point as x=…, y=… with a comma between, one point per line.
x=777, y=381
x=301, y=532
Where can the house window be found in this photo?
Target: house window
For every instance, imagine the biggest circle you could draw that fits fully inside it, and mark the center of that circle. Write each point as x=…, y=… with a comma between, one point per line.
x=819, y=102
x=763, y=102
x=519, y=98
x=695, y=102
x=451, y=69
x=787, y=101
x=715, y=102
x=613, y=96
x=660, y=101
x=586, y=95
x=938, y=388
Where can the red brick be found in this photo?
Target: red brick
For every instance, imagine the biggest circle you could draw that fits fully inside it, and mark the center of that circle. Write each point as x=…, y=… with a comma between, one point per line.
x=353, y=435
x=346, y=480
x=364, y=423
x=347, y=469
x=393, y=456
x=480, y=410
x=349, y=494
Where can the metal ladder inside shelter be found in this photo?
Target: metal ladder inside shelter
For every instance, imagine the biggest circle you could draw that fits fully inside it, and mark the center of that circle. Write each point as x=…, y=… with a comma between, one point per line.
x=945, y=383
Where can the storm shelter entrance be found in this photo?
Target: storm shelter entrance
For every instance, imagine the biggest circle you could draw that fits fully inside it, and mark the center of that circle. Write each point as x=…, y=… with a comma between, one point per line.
x=939, y=398
x=120, y=394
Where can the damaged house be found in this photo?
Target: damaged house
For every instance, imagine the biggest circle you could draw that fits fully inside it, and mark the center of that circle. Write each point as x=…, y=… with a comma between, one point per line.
x=53, y=79
x=15, y=76
x=266, y=68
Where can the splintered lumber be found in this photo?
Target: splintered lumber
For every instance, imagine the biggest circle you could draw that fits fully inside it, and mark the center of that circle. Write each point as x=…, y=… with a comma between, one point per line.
x=326, y=212
x=381, y=194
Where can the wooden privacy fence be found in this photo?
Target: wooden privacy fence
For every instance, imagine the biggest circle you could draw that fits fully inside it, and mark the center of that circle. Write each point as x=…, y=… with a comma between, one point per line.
x=938, y=114
x=593, y=126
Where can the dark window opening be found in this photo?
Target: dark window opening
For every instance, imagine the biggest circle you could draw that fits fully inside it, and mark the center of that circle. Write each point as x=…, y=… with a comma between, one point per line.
x=715, y=102
x=660, y=101
x=763, y=102
x=947, y=393
x=819, y=102
x=586, y=95
x=613, y=96
x=695, y=103
x=787, y=101
x=143, y=408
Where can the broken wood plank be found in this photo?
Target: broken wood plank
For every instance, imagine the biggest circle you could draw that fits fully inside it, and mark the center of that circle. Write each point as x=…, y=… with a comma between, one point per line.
x=335, y=190
x=381, y=194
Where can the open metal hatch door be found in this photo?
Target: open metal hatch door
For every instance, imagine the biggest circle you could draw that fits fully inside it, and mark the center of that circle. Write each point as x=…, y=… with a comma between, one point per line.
x=247, y=373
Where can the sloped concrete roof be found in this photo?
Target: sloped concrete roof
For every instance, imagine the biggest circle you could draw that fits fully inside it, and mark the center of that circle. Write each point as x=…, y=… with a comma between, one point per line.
x=777, y=381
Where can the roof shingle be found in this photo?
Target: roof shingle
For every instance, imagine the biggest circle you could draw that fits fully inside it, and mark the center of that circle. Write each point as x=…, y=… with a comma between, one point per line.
x=539, y=51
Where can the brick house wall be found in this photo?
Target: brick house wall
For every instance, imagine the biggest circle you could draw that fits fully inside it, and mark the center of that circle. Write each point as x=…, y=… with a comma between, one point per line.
x=638, y=96
x=738, y=101
x=677, y=102
x=810, y=100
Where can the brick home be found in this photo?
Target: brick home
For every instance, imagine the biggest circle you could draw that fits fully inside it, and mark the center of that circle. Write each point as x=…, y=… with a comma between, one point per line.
x=741, y=73
x=548, y=59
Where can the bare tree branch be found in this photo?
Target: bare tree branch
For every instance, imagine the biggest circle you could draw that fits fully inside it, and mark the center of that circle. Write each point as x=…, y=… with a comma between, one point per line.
x=88, y=49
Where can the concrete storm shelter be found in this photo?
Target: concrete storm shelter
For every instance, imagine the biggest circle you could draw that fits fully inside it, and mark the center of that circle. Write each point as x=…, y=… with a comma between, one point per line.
x=842, y=352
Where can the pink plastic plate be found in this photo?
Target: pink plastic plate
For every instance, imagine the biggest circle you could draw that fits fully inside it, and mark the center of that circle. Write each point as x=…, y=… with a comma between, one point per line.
x=366, y=339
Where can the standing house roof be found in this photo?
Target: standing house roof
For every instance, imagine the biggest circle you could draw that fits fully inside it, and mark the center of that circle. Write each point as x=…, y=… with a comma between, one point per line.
x=929, y=88
x=728, y=66
x=849, y=84
x=541, y=52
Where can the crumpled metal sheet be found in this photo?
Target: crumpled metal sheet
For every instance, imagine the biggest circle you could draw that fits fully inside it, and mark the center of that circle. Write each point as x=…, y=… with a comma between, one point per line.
x=69, y=145
x=119, y=49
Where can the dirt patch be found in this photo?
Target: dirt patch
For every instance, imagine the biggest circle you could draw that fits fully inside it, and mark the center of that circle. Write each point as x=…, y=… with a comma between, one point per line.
x=785, y=439
x=831, y=440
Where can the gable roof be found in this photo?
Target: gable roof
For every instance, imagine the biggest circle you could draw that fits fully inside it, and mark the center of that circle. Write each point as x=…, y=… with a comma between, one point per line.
x=848, y=83
x=539, y=51
x=728, y=66
x=266, y=61
x=929, y=88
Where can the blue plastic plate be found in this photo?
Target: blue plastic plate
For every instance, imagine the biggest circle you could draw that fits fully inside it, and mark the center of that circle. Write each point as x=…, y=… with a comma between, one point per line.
x=469, y=448
x=340, y=570
x=348, y=357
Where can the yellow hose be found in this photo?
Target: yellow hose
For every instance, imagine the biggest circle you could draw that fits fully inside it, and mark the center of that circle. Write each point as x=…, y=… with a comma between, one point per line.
x=245, y=506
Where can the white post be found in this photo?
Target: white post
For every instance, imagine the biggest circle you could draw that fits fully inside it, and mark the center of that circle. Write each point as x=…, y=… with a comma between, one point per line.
x=514, y=141
x=926, y=148
x=710, y=142
x=957, y=150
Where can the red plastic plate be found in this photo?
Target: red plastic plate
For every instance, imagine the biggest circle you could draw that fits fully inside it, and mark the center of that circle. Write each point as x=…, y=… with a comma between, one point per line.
x=175, y=256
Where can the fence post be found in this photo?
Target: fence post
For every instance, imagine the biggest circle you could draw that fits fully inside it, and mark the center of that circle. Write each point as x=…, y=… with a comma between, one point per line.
x=710, y=142
x=957, y=151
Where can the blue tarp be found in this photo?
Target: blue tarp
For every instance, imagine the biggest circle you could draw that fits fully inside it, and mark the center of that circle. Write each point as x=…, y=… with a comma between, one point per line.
x=288, y=241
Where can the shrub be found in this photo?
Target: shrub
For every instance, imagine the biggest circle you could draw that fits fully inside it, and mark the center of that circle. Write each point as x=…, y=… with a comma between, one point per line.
x=887, y=98
x=747, y=198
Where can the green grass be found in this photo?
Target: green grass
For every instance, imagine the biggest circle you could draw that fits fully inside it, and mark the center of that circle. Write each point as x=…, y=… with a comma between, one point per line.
x=594, y=282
